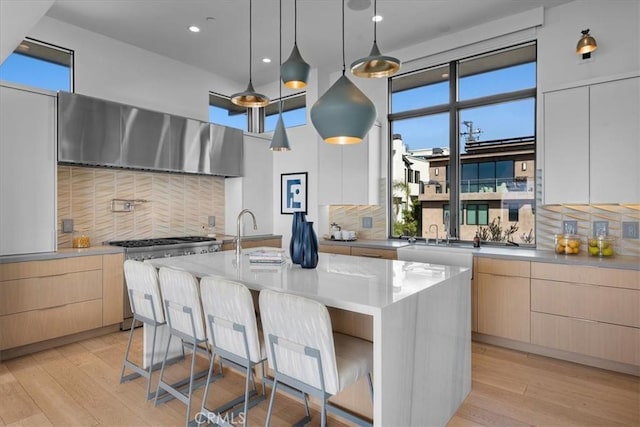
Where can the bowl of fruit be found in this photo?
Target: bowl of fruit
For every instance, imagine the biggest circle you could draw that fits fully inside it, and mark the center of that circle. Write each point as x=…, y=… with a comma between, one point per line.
x=601, y=246
x=567, y=244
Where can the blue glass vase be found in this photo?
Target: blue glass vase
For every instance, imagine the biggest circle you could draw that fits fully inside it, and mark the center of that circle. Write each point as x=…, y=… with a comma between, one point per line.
x=309, y=246
x=295, y=245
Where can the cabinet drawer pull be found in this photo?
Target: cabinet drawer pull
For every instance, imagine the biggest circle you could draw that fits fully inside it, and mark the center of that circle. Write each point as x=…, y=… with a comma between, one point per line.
x=52, y=307
x=371, y=255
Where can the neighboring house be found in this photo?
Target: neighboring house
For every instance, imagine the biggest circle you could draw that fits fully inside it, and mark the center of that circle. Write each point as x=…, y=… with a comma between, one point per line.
x=497, y=178
x=410, y=171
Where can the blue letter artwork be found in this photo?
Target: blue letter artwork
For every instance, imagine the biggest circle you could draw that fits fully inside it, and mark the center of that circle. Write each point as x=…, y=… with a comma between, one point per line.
x=293, y=190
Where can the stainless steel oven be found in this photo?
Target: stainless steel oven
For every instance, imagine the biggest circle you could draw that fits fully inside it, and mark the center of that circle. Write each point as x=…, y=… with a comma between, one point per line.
x=143, y=249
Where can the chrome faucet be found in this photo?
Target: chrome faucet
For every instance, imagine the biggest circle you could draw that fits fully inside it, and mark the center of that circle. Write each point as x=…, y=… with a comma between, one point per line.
x=447, y=220
x=436, y=226
x=238, y=237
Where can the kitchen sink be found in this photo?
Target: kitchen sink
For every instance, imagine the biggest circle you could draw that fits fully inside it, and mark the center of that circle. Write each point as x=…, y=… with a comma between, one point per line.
x=453, y=254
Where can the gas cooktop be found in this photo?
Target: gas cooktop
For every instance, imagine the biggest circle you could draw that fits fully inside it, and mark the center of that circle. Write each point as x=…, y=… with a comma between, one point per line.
x=141, y=243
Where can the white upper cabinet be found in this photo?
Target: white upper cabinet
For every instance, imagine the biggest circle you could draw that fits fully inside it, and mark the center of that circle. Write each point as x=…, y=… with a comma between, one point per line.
x=350, y=174
x=566, y=146
x=592, y=143
x=27, y=171
x=614, y=142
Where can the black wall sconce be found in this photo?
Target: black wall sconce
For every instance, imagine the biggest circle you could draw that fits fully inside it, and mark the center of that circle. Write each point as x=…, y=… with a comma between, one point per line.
x=586, y=45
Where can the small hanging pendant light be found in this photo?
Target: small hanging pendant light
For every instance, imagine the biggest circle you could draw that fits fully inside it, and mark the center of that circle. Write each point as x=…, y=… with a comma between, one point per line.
x=375, y=65
x=249, y=97
x=280, y=141
x=344, y=114
x=295, y=71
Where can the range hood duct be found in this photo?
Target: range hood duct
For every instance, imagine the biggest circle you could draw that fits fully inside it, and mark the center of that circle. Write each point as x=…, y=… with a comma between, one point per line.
x=96, y=132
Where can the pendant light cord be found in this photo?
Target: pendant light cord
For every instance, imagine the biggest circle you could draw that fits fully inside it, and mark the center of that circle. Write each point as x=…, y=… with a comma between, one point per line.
x=280, y=62
x=343, y=58
x=375, y=22
x=250, y=32
x=295, y=22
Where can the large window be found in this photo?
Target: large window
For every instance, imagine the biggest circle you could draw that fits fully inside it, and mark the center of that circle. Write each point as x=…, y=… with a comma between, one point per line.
x=39, y=65
x=469, y=123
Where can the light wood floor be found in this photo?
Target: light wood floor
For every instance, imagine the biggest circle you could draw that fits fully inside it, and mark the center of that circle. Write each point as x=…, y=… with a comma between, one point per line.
x=78, y=384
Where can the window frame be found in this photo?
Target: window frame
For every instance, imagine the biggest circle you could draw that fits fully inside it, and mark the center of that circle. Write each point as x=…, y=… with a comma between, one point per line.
x=50, y=53
x=453, y=108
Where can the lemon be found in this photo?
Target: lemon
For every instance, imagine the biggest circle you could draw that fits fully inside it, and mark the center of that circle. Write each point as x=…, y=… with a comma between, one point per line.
x=608, y=251
x=594, y=250
x=593, y=243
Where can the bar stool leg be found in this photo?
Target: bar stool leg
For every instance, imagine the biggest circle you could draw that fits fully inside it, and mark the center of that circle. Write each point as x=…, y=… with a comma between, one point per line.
x=273, y=395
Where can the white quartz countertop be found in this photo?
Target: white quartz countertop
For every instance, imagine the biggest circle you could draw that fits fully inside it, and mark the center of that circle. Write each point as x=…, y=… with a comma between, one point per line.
x=358, y=284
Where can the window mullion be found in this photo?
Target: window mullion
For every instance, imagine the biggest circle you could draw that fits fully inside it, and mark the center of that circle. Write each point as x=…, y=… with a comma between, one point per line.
x=454, y=150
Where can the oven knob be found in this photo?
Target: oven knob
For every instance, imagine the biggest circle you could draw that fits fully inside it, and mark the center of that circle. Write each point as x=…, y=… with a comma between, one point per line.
x=167, y=255
x=203, y=251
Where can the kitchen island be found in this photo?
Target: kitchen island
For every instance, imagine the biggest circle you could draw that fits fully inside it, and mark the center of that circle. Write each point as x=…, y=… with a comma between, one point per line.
x=421, y=322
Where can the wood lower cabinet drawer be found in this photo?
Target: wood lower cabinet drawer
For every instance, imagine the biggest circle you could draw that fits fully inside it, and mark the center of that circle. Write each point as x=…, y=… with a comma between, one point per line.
x=503, y=306
x=334, y=249
x=612, y=277
x=41, y=292
x=602, y=340
x=52, y=267
x=39, y=325
x=601, y=303
x=503, y=267
x=374, y=252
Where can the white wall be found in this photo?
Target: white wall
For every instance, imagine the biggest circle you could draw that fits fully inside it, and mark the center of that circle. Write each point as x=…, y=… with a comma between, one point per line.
x=108, y=69
x=17, y=17
x=615, y=24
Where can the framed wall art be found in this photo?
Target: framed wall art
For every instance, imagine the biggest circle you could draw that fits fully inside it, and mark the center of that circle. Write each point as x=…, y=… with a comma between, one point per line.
x=293, y=193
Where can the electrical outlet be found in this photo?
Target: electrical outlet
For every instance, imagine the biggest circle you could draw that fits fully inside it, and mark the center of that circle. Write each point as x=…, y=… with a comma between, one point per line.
x=600, y=228
x=67, y=226
x=212, y=221
x=367, y=222
x=630, y=230
x=570, y=227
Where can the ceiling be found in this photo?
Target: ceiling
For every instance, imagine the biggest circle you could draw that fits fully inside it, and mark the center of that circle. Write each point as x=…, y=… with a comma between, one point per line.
x=222, y=45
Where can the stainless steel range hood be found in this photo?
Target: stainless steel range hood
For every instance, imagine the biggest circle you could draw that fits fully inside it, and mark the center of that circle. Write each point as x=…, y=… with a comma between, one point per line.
x=96, y=132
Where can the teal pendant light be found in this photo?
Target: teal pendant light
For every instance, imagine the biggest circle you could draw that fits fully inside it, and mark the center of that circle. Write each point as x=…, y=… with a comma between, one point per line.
x=375, y=65
x=344, y=114
x=294, y=72
x=249, y=97
x=280, y=141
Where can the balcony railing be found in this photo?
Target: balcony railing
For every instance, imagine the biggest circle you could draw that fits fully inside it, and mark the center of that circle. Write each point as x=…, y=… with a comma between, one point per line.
x=494, y=186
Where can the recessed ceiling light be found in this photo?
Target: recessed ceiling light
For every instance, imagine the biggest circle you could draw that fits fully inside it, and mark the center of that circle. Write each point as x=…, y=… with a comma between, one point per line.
x=23, y=46
x=194, y=29
x=445, y=75
x=377, y=18
x=266, y=60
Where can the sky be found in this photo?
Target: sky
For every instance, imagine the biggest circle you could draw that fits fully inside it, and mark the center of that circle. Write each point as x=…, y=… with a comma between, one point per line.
x=499, y=121
x=508, y=120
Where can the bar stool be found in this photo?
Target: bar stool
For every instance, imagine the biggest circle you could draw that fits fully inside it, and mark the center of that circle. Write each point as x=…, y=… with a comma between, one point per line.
x=184, y=317
x=307, y=355
x=234, y=338
x=146, y=305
